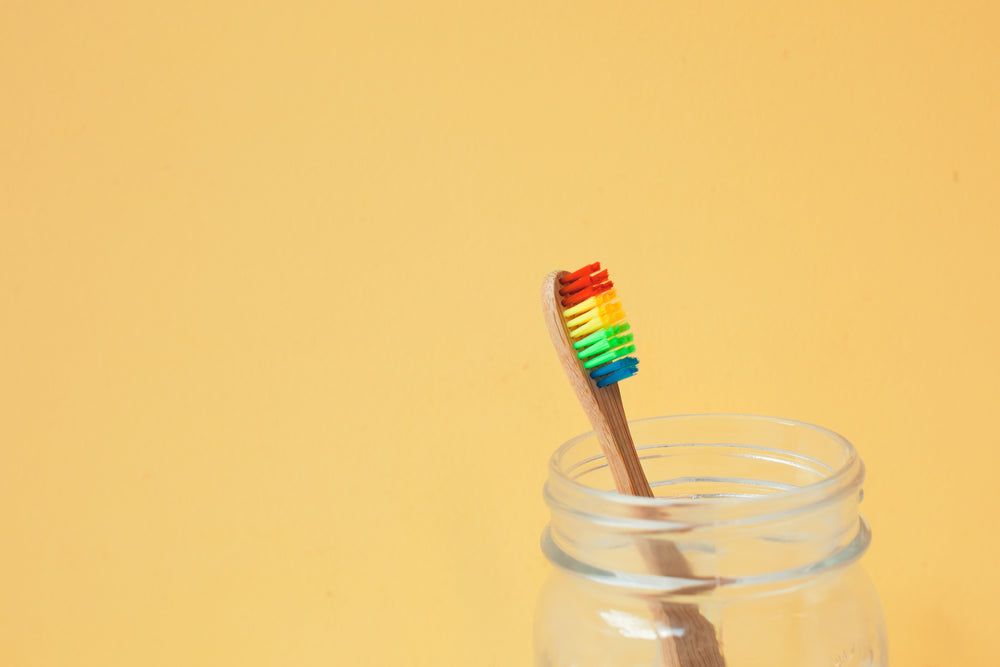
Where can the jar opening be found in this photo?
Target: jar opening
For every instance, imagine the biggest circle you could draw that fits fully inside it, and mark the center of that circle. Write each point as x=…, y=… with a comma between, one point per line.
x=713, y=467
x=745, y=499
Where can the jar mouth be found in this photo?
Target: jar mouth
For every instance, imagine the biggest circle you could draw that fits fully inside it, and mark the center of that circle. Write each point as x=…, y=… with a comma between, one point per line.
x=710, y=468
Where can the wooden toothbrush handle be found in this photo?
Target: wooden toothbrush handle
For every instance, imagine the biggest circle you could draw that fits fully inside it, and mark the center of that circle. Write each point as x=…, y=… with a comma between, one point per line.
x=698, y=646
x=696, y=643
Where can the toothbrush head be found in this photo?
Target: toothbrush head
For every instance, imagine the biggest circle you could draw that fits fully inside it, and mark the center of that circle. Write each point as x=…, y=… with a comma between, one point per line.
x=596, y=324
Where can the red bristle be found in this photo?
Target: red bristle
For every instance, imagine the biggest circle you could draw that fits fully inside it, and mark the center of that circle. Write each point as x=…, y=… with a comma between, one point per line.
x=575, y=286
x=572, y=300
x=584, y=282
x=586, y=293
x=579, y=297
x=579, y=273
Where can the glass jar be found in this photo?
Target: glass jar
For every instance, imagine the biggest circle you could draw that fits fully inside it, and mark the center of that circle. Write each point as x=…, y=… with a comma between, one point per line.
x=764, y=512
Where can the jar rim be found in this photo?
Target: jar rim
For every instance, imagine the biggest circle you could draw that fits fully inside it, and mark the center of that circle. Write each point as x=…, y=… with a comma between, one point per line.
x=850, y=470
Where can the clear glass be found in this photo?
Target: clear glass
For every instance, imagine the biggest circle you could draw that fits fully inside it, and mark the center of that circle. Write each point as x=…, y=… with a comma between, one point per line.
x=765, y=512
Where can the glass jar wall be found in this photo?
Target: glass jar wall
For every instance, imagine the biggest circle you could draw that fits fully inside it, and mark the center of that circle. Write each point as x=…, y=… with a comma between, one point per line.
x=764, y=515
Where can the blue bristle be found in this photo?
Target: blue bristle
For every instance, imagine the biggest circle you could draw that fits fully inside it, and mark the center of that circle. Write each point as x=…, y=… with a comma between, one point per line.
x=617, y=370
x=617, y=376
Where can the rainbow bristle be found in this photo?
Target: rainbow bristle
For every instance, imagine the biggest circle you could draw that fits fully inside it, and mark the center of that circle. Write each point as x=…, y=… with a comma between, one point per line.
x=603, y=334
x=602, y=316
x=595, y=318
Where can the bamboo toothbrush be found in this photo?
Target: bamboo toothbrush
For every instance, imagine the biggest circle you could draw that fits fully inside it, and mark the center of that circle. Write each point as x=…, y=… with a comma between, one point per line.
x=588, y=328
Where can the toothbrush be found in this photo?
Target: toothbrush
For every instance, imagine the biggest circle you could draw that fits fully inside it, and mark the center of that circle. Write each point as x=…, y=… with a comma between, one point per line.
x=595, y=346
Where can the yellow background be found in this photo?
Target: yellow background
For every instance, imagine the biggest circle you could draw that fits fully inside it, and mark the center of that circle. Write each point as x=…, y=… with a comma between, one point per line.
x=275, y=384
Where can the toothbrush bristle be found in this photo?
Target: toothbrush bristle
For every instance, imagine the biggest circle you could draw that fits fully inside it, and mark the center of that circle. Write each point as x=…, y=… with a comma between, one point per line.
x=595, y=319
